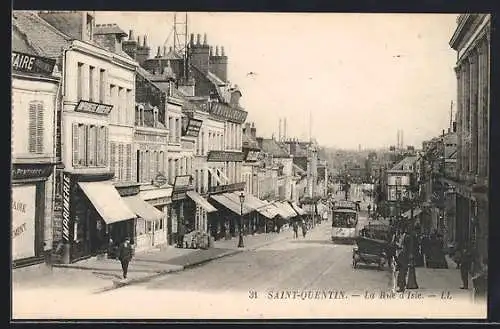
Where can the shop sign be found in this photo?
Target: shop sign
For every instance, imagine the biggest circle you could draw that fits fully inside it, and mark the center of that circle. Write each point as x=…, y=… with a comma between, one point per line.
x=160, y=180
x=66, y=202
x=23, y=221
x=182, y=182
x=32, y=64
x=228, y=112
x=94, y=108
x=252, y=156
x=227, y=188
x=27, y=171
x=225, y=156
x=193, y=127
x=177, y=196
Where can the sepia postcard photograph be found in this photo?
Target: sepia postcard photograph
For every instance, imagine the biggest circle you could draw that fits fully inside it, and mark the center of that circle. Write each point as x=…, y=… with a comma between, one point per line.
x=237, y=165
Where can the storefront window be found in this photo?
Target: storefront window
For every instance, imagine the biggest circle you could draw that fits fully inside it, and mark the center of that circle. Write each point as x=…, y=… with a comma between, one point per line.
x=149, y=227
x=140, y=226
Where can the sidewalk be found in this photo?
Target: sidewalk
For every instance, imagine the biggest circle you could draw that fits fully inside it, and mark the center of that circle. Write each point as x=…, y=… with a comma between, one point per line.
x=100, y=275
x=437, y=283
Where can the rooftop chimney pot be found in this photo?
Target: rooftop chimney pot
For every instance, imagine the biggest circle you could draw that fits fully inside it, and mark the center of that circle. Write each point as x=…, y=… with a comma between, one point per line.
x=216, y=50
x=198, y=37
x=158, y=54
x=131, y=35
x=191, y=40
x=222, y=50
x=145, y=44
x=211, y=51
x=205, y=39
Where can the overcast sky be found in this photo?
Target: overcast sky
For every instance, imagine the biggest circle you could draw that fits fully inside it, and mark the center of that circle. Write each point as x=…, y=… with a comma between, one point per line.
x=362, y=76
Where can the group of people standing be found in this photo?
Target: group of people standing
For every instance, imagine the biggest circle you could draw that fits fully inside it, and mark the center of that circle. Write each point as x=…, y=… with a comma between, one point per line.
x=295, y=226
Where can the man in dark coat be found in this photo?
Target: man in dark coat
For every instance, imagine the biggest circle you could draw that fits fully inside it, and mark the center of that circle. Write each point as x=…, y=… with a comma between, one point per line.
x=465, y=264
x=125, y=255
x=402, y=259
x=180, y=235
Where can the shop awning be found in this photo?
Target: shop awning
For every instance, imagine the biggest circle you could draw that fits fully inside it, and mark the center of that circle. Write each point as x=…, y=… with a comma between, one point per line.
x=416, y=212
x=106, y=200
x=230, y=204
x=282, y=211
x=142, y=208
x=250, y=201
x=268, y=210
x=297, y=209
x=199, y=200
x=288, y=209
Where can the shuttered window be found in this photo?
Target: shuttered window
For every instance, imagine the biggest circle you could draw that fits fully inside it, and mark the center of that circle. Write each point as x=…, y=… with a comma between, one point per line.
x=36, y=129
x=112, y=162
x=128, y=174
x=102, y=145
x=121, y=162
x=92, y=146
x=76, y=144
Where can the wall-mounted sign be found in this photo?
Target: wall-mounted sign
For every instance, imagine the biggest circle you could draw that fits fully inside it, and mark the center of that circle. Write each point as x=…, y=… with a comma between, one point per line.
x=225, y=156
x=27, y=171
x=227, y=188
x=227, y=112
x=93, y=107
x=252, y=155
x=32, y=64
x=193, y=127
x=66, y=203
x=183, y=182
x=345, y=204
x=160, y=180
x=23, y=221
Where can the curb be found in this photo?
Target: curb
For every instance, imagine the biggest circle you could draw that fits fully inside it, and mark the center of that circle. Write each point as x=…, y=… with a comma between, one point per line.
x=117, y=285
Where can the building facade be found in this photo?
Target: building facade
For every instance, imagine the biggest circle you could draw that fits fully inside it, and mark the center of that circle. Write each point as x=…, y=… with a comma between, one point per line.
x=35, y=102
x=98, y=106
x=471, y=40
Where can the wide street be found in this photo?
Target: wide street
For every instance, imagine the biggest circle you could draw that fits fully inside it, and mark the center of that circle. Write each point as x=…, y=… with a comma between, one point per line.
x=310, y=263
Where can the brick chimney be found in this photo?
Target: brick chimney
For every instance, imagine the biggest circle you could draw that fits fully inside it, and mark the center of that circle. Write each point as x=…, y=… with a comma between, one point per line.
x=79, y=25
x=143, y=51
x=130, y=46
x=200, y=53
x=218, y=64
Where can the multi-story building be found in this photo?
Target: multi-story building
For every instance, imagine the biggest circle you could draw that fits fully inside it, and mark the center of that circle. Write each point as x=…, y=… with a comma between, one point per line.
x=35, y=108
x=471, y=40
x=97, y=106
x=399, y=179
x=250, y=166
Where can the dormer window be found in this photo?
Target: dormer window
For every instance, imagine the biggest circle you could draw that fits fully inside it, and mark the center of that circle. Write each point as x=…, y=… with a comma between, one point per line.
x=155, y=117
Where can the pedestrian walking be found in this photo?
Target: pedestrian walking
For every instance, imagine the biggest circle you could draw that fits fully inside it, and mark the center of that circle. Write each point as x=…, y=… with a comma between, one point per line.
x=295, y=229
x=304, y=229
x=125, y=255
x=402, y=259
x=465, y=264
x=180, y=235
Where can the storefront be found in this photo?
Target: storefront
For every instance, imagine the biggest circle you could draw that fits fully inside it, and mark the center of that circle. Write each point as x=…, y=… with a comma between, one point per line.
x=28, y=212
x=94, y=216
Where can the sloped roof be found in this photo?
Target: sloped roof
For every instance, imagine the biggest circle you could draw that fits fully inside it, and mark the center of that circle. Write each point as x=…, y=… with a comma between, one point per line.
x=272, y=147
x=405, y=162
x=20, y=42
x=249, y=142
x=45, y=39
x=215, y=79
x=109, y=29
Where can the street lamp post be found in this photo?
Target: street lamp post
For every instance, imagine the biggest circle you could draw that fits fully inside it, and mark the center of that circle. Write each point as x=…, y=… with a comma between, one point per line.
x=240, y=240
